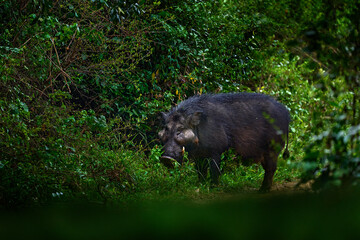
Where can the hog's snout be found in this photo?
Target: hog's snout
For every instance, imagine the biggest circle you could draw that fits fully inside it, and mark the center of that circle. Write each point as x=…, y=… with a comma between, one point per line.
x=168, y=159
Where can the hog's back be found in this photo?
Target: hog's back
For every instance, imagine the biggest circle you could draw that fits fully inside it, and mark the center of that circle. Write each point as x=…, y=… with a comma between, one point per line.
x=248, y=122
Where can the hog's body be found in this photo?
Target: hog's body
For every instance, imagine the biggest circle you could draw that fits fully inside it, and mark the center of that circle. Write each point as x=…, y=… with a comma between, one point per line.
x=255, y=125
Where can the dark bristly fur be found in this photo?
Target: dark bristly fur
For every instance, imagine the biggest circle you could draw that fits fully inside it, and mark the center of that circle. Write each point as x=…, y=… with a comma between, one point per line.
x=255, y=125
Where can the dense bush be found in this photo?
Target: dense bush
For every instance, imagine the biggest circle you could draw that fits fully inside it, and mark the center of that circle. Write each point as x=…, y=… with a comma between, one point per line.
x=64, y=66
x=330, y=38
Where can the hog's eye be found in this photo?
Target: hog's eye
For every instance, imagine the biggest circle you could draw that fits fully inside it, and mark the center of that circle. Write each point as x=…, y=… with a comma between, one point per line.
x=179, y=130
x=179, y=134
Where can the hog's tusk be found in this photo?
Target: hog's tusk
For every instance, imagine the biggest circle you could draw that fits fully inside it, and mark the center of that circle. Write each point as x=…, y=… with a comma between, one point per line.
x=183, y=151
x=167, y=157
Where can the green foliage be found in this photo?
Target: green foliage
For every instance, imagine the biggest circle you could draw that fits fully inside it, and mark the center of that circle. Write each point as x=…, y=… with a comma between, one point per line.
x=330, y=40
x=332, y=159
x=52, y=153
x=212, y=46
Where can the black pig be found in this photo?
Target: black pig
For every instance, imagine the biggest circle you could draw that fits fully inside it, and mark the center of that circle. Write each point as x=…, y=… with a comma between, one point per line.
x=255, y=125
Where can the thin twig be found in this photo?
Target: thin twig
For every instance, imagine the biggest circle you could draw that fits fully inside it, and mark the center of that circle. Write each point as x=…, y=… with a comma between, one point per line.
x=58, y=59
x=72, y=39
x=42, y=93
x=50, y=62
x=298, y=49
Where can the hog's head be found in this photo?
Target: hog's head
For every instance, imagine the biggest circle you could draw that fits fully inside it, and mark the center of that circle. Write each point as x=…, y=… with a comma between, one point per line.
x=178, y=133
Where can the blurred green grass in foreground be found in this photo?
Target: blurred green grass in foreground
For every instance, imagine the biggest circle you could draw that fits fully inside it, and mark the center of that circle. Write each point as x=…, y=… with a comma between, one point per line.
x=334, y=215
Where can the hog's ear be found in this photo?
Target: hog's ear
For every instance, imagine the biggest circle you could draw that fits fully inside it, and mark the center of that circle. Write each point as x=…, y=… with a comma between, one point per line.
x=162, y=117
x=195, y=118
